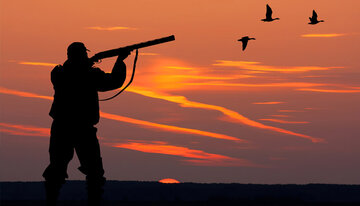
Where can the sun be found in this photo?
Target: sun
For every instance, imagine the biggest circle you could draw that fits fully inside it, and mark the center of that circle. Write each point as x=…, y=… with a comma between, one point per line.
x=169, y=181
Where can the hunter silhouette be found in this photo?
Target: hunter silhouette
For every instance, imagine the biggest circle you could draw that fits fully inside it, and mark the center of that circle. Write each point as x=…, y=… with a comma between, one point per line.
x=75, y=111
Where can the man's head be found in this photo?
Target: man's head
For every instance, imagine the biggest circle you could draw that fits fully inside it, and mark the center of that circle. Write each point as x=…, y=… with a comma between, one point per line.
x=77, y=52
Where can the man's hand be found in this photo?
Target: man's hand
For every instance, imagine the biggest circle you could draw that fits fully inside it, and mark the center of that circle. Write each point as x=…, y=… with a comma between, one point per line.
x=123, y=55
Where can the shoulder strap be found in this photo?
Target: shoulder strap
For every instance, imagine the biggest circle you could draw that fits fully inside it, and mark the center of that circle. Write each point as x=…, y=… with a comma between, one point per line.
x=131, y=79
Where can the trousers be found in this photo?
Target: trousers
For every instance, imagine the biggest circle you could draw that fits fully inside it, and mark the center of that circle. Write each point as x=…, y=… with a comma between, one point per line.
x=65, y=138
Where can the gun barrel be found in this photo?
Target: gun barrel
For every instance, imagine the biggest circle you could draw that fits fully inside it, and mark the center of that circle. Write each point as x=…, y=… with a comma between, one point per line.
x=116, y=52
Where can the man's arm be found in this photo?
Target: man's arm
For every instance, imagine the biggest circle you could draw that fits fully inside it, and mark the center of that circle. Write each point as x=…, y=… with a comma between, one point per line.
x=115, y=79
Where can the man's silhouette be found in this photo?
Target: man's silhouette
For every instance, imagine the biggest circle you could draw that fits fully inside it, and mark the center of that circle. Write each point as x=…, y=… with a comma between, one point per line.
x=75, y=111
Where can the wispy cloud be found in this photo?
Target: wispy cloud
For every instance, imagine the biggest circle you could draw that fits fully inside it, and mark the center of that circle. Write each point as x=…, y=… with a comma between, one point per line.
x=281, y=84
x=158, y=147
x=257, y=66
x=279, y=115
x=148, y=54
x=114, y=28
x=23, y=94
x=184, y=102
x=196, y=157
x=134, y=121
x=288, y=110
x=209, y=77
x=268, y=102
x=324, y=35
x=24, y=130
x=45, y=64
x=330, y=90
x=285, y=121
x=169, y=127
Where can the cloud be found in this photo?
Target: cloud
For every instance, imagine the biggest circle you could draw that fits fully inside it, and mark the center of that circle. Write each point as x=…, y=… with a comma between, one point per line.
x=158, y=147
x=279, y=115
x=281, y=84
x=134, y=121
x=114, y=28
x=24, y=130
x=285, y=121
x=23, y=94
x=288, y=110
x=169, y=127
x=148, y=54
x=268, y=102
x=208, y=77
x=46, y=64
x=196, y=157
x=324, y=35
x=330, y=90
x=257, y=66
x=184, y=102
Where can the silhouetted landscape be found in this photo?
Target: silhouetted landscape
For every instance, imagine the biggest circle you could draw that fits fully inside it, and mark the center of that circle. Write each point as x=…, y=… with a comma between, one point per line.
x=154, y=193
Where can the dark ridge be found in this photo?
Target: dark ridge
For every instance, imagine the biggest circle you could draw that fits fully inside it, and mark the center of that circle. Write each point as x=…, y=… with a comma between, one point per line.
x=154, y=193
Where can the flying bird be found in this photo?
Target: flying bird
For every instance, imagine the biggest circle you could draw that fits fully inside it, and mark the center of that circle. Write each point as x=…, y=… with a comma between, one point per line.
x=269, y=15
x=244, y=41
x=314, y=18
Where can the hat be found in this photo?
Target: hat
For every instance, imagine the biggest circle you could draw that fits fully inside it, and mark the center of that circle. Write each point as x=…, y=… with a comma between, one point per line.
x=76, y=47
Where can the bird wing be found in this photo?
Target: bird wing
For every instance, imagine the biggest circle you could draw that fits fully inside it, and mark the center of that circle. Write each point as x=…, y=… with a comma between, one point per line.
x=268, y=12
x=314, y=16
x=244, y=45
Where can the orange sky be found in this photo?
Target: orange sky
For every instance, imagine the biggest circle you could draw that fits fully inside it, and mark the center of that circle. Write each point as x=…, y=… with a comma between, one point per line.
x=285, y=110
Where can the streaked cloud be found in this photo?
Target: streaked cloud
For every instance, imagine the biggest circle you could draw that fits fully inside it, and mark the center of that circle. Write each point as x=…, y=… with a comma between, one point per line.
x=289, y=110
x=169, y=127
x=208, y=77
x=179, y=67
x=257, y=66
x=134, y=121
x=184, y=102
x=45, y=64
x=281, y=84
x=148, y=54
x=285, y=121
x=330, y=90
x=196, y=157
x=279, y=115
x=324, y=35
x=24, y=130
x=23, y=94
x=268, y=102
x=114, y=28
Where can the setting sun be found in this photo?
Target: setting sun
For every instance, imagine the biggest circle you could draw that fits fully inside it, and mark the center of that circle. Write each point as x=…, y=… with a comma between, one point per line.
x=169, y=181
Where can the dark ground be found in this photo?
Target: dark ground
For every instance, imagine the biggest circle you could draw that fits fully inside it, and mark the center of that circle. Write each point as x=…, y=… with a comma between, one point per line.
x=189, y=194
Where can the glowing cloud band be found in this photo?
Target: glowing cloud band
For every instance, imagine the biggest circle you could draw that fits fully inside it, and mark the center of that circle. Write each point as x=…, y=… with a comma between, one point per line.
x=184, y=102
x=133, y=121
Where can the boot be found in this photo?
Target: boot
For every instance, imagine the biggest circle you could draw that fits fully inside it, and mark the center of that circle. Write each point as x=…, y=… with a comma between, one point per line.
x=95, y=191
x=52, y=190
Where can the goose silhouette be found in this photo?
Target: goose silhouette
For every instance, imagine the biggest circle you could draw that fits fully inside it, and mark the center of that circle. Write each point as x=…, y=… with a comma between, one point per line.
x=269, y=15
x=313, y=19
x=244, y=41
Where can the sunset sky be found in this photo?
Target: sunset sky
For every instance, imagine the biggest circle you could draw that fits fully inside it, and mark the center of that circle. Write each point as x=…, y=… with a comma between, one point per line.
x=285, y=110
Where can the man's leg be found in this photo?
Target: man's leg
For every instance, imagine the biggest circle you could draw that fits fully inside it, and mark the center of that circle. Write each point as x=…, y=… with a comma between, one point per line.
x=61, y=152
x=88, y=151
